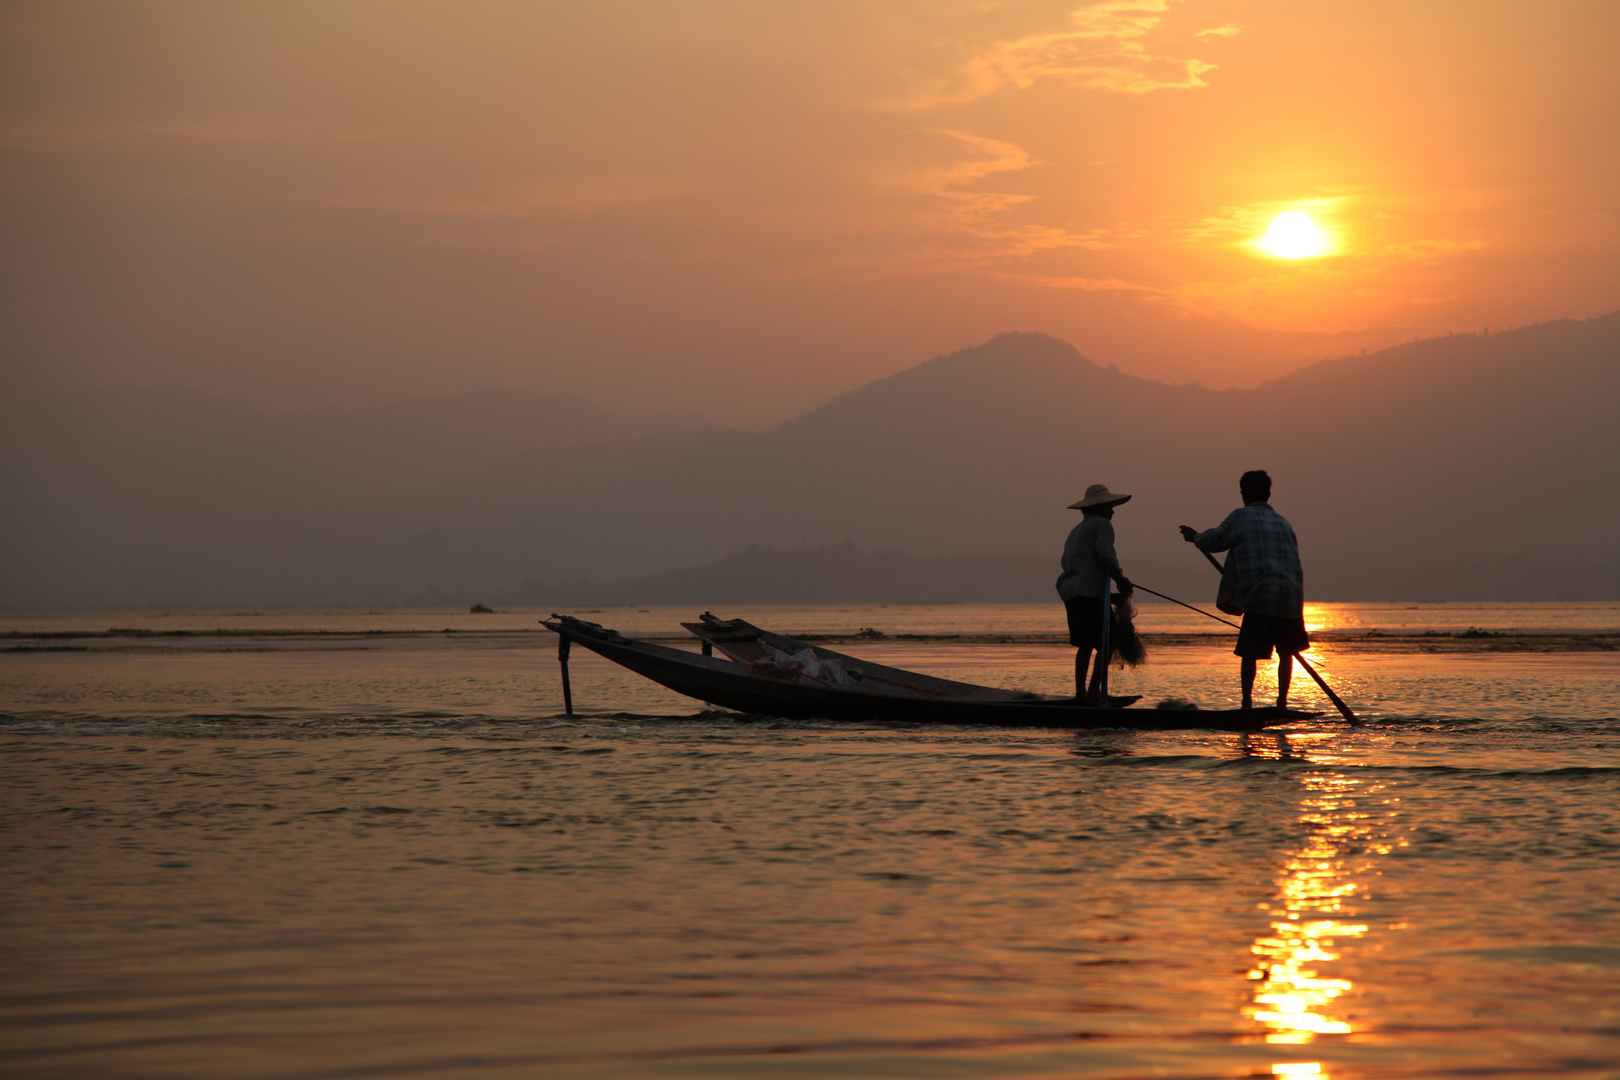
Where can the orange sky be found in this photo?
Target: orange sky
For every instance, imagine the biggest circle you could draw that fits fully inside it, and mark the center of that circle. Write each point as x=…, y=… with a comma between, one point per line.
x=742, y=208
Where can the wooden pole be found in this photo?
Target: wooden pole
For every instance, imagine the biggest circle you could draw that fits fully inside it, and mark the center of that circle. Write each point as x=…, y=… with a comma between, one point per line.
x=563, y=642
x=1338, y=703
x=1102, y=653
x=1189, y=607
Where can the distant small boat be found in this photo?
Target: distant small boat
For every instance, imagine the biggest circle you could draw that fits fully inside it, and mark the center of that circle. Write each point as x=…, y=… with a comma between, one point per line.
x=773, y=675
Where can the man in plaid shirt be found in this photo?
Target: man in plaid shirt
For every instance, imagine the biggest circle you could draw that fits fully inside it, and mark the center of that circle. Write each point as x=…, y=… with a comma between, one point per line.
x=1262, y=582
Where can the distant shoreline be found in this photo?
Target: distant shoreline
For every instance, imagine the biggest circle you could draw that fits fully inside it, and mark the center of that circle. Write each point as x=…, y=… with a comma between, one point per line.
x=1431, y=641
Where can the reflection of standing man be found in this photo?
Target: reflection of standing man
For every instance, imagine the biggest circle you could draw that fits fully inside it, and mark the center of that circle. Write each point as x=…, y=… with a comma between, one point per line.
x=1088, y=562
x=1262, y=581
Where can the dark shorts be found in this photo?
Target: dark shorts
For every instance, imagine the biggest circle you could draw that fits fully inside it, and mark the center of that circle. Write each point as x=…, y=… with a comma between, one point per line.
x=1261, y=633
x=1085, y=621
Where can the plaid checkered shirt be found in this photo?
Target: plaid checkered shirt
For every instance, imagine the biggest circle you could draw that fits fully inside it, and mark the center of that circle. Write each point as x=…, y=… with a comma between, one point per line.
x=1263, y=575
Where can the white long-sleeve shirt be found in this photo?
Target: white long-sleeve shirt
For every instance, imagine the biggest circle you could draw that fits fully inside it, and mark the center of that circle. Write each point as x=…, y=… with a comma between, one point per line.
x=1088, y=558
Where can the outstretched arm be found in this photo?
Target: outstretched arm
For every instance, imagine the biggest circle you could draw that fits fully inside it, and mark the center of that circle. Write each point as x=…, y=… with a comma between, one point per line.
x=1216, y=539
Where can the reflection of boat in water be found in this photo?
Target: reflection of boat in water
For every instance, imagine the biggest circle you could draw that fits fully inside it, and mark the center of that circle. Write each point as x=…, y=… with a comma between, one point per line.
x=775, y=675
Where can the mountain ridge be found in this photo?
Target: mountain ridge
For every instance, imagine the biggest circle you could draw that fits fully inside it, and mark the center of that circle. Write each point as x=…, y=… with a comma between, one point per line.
x=1474, y=461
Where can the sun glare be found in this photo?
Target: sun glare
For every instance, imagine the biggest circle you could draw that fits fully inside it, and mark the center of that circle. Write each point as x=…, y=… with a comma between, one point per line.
x=1293, y=236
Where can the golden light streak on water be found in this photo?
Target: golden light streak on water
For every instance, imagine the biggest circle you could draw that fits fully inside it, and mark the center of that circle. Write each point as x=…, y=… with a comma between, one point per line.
x=1297, y=997
x=1319, y=617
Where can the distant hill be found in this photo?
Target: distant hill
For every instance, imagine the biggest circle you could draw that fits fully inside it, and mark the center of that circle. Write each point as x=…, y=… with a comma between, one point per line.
x=1464, y=467
x=1459, y=467
x=831, y=574
x=163, y=496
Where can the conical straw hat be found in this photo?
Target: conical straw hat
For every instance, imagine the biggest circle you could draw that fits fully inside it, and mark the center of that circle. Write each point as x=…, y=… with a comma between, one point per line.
x=1099, y=495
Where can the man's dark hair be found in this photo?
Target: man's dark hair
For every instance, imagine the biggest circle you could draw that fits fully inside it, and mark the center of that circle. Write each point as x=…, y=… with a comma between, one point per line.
x=1255, y=485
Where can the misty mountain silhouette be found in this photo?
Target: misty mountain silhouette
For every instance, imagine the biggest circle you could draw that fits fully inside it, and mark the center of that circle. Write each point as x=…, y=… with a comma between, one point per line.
x=1451, y=468
x=163, y=496
x=829, y=574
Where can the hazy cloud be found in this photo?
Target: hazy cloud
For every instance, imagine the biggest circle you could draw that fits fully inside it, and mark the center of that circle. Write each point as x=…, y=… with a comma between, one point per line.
x=990, y=156
x=1433, y=249
x=1080, y=284
x=980, y=215
x=1250, y=222
x=1104, y=50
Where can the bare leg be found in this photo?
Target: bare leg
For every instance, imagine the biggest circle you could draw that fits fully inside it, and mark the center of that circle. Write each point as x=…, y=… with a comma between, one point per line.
x=1082, y=661
x=1285, y=675
x=1246, y=672
x=1095, y=693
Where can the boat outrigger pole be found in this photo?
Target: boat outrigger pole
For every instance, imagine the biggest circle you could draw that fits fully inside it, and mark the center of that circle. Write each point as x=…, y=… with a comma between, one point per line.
x=1103, y=656
x=563, y=643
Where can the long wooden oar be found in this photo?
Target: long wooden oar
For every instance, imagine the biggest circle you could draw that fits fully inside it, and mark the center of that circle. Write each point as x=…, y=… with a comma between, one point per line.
x=1338, y=702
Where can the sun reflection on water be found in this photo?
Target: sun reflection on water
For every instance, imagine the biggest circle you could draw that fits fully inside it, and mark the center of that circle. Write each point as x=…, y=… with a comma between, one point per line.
x=1296, y=996
x=1320, y=617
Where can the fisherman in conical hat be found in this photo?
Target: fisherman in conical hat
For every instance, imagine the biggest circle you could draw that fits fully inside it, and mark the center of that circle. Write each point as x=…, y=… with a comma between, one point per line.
x=1088, y=562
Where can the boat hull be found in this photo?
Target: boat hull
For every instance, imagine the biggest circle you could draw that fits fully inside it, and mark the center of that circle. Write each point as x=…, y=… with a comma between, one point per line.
x=732, y=686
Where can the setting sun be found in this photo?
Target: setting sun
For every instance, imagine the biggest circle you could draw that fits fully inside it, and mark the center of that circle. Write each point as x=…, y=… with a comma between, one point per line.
x=1293, y=236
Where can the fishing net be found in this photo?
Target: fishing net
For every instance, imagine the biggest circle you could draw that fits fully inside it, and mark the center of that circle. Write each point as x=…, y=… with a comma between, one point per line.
x=1128, y=650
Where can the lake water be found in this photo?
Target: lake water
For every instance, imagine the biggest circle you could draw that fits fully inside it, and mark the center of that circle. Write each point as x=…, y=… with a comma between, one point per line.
x=273, y=854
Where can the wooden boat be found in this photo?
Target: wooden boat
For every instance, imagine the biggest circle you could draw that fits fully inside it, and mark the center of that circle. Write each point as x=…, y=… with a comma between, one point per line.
x=774, y=675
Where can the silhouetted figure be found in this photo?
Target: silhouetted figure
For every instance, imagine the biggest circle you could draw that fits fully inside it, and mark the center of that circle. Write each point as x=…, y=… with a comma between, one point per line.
x=1088, y=562
x=1262, y=581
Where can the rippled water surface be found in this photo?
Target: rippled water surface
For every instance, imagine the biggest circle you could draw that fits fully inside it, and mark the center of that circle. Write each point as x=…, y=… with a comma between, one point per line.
x=301, y=860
